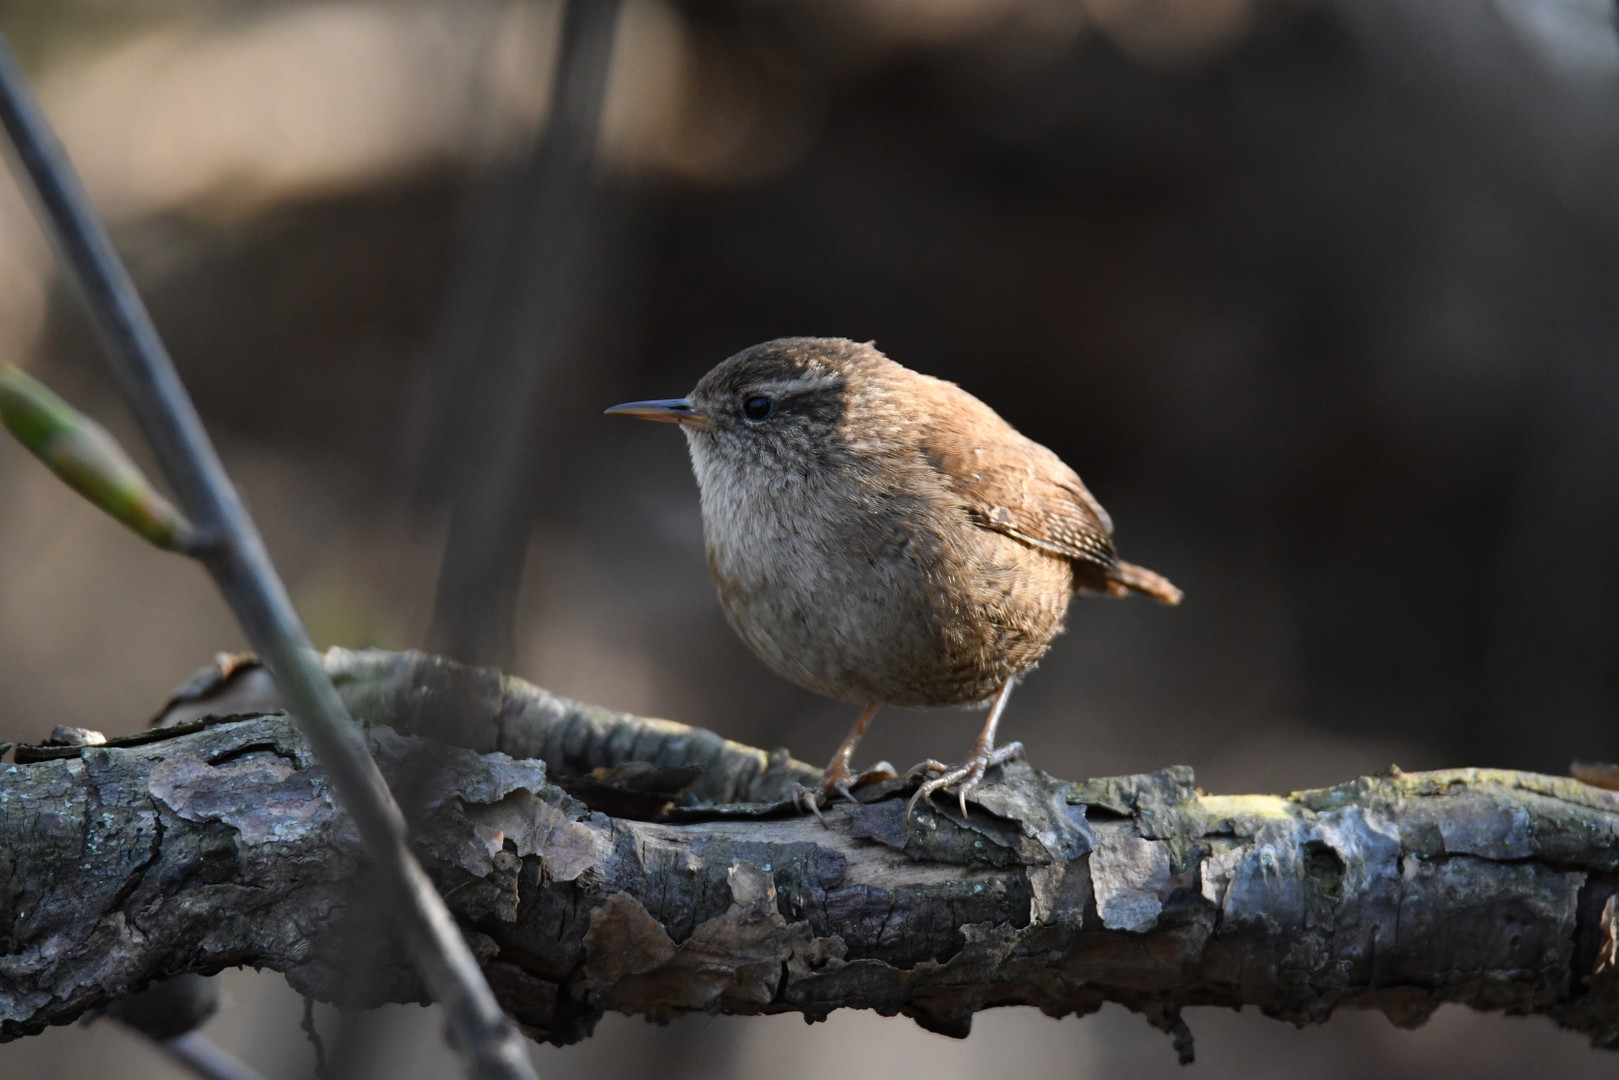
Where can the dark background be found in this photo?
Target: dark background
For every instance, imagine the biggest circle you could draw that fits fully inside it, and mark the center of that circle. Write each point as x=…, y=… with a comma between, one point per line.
x=1319, y=297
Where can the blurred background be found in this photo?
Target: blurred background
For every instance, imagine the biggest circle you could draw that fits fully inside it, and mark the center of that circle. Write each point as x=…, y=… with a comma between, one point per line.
x=1321, y=297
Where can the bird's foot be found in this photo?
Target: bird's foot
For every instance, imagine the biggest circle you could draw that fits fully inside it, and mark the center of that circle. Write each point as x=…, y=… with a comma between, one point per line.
x=964, y=777
x=808, y=801
x=838, y=782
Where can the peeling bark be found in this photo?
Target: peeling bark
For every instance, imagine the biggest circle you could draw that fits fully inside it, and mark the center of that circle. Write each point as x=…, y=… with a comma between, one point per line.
x=217, y=844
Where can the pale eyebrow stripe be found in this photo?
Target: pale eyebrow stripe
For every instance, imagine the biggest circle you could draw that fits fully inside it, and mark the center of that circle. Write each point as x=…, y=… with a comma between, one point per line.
x=798, y=385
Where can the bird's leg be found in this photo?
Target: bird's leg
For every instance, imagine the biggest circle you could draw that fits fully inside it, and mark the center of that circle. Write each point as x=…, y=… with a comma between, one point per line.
x=838, y=776
x=970, y=772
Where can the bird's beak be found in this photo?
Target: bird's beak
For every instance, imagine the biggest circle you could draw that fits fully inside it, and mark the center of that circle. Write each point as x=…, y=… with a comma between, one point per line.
x=664, y=410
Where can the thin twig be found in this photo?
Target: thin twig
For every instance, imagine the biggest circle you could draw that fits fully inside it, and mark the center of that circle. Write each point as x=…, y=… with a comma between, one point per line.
x=206, y=1058
x=521, y=306
x=313, y=1034
x=235, y=555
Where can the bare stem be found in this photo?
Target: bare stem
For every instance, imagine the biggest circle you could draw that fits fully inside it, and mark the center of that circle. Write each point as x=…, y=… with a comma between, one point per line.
x=480, y=1032
x=523, y=304
x=206, y=1059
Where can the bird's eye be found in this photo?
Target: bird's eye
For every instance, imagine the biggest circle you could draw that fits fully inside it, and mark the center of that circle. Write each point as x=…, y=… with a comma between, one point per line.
x=757, y=408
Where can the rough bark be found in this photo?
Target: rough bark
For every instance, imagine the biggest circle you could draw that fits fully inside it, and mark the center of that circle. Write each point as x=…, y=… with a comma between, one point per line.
x=217, y=843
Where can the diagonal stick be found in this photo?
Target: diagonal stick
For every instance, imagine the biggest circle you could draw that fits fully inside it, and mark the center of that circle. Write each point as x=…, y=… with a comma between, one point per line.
x=228, y=544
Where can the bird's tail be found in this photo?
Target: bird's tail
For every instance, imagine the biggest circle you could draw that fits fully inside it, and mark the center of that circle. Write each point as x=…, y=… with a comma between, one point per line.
x=1132, y=578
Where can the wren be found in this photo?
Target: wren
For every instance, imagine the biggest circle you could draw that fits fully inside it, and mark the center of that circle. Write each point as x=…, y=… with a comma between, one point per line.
x=882, y=536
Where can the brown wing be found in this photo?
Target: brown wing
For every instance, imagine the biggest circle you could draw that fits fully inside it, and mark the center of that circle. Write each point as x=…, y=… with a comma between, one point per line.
x=1026, y=492
x=1016, y=486
x=1013, y=485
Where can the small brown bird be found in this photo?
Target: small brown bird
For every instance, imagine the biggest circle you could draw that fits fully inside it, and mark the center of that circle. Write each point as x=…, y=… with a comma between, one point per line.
x=881, y=536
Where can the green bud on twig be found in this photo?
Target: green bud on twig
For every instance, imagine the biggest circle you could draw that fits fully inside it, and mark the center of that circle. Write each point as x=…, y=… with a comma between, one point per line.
x=89, y=460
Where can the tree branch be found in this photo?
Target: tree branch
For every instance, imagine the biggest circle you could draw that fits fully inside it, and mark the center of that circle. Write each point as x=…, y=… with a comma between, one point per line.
x=218, y=844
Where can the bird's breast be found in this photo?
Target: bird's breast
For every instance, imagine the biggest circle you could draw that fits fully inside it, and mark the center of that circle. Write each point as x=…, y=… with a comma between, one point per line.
x=865, y=593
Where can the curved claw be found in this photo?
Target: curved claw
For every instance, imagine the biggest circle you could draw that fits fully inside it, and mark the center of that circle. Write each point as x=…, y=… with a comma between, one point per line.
x=969, y=774
x=838, y=780
x=877, y=774
x=808, y=800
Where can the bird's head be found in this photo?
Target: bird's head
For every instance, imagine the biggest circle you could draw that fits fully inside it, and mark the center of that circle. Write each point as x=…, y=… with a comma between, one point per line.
x=776, y=408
